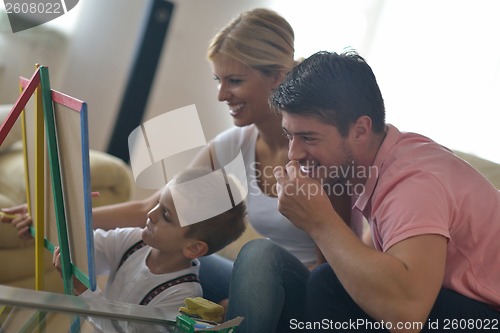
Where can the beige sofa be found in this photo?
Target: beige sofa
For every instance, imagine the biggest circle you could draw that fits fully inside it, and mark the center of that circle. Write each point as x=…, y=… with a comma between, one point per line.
x=110, y=176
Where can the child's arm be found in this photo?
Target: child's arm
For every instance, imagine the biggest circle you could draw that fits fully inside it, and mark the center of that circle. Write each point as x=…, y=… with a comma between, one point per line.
x=78, y=286
x=19, y=218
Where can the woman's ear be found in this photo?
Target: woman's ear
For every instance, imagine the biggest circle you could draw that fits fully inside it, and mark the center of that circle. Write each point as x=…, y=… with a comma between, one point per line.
x=277, y=78
x=195, y=249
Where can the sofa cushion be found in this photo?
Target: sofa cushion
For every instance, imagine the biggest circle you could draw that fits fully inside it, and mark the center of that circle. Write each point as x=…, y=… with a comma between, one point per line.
x=14, y=134
x=487, y=168
x=12, y=181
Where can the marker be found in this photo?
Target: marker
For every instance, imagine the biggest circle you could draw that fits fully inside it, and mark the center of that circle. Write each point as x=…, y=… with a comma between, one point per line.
x=7, y=215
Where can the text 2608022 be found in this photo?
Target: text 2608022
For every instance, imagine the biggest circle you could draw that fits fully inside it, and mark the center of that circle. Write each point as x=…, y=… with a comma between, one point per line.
x=33, y=8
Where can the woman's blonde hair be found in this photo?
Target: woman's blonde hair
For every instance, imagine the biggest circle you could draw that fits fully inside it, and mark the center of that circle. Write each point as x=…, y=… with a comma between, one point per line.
x=259, y=38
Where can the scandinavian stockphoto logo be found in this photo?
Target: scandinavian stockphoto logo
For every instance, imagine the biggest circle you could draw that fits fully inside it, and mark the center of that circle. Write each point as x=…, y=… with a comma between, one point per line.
x=164, y=146
x=26, y=14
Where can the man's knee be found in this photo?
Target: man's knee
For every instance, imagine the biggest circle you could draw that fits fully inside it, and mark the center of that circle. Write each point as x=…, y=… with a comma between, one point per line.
x=255, y=249
x=323, y=281
x=261, y=252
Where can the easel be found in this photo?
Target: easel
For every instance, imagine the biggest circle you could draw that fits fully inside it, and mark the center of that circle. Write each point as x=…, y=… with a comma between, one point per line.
x=43, y=148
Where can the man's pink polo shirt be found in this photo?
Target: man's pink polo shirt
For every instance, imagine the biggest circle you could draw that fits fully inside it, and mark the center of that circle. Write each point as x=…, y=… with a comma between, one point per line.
x=420, y=187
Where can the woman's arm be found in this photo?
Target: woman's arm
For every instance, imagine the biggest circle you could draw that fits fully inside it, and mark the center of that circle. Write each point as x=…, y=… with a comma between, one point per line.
x=134, y=213
x=125, y=214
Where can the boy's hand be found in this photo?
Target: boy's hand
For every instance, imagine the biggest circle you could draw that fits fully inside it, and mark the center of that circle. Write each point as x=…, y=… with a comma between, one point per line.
x=56, y=259
x=19, y=218
x=78, y=286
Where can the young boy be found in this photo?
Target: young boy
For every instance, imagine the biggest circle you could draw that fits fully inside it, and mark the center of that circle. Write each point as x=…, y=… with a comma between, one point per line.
x=157, y=265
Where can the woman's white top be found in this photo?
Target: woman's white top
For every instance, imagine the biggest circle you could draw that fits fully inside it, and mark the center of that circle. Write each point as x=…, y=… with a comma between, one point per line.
x=263, y=209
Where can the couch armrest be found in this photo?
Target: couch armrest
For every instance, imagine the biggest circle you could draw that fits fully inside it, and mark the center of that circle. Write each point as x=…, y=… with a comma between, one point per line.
x=111, y=177
x=489, y=169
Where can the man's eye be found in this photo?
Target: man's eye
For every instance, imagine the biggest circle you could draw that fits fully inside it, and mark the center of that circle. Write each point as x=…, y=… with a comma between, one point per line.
x=307, y=139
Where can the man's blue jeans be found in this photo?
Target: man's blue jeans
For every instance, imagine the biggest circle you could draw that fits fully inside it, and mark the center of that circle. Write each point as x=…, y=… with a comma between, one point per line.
x=267, y=288
x=327, y=302
x=215, y=275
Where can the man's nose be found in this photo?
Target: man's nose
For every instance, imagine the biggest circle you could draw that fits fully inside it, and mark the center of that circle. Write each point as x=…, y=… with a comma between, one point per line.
x=296, y=150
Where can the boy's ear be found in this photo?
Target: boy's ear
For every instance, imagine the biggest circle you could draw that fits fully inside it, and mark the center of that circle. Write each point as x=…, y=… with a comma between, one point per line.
x=195, y=249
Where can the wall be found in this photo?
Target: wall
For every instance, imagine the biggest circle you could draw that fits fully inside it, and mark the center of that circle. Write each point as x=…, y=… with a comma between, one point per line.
x=21, y=51
x=103, y=48
x=438, y=65
x=436, y=62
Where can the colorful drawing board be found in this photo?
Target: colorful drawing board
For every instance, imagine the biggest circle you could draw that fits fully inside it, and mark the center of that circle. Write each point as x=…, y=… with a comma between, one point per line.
x=66, y=191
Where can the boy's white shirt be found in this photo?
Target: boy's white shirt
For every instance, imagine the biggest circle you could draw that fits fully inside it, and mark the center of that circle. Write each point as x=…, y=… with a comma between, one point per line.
x=133, y=280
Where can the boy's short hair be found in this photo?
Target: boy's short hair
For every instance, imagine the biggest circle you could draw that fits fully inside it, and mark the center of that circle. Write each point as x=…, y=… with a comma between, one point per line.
x=220, y=230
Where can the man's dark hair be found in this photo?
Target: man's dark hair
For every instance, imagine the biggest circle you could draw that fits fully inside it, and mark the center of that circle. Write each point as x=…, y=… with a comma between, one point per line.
x=335, y=88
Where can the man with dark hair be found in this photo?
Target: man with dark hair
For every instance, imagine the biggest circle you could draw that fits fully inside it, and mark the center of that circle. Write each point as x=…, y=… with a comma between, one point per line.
x=431, y=262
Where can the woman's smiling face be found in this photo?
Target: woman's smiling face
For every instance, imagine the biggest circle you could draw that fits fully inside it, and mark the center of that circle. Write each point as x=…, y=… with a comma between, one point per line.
x=244, y=89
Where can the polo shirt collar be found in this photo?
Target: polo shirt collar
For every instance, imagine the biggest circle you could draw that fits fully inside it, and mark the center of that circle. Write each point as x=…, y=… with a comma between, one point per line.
x=391, y=138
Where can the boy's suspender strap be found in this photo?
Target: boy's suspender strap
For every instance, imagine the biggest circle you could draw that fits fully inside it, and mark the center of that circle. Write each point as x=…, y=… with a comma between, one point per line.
x=137, y=246
x=165, y=285
x=161, y=287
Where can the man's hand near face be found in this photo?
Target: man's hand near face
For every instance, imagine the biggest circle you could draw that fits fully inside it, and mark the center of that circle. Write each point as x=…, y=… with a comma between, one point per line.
x=301, y=199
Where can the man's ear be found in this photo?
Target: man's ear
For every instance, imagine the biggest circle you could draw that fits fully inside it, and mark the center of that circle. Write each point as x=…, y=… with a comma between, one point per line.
x=361, y=128
x=195, y=249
